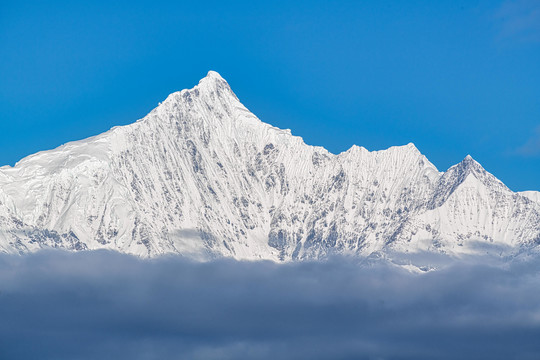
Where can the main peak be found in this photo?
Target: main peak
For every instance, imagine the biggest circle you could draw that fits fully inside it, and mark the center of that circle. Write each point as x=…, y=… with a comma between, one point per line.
x=213, y=75
x=212, y=78
x=214, y=83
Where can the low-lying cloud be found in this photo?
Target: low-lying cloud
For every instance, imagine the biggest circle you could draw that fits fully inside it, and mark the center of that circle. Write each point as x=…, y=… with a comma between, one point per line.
x=102, y=305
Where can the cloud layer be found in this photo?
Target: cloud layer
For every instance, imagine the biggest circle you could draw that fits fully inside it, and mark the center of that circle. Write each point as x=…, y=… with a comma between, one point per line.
x=101, y=305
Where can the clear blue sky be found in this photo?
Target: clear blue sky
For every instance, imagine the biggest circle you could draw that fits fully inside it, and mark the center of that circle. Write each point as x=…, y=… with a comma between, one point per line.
x=454, y=77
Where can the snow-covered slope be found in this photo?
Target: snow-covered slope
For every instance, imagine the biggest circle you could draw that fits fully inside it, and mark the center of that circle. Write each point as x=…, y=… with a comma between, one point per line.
x=202, y=176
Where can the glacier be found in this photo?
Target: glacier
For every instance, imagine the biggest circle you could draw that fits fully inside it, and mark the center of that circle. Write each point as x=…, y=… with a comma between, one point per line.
x=203, y=177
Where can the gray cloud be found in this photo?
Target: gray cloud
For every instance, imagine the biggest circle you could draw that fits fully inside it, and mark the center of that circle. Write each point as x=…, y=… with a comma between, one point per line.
x=101, y=305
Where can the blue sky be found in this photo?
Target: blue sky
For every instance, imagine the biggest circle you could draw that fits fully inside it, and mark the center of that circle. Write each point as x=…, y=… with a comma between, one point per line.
x=454, y=77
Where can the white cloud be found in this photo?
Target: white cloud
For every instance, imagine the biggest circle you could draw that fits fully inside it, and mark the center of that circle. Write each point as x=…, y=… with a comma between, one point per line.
x=519, y=20
x=532, y=146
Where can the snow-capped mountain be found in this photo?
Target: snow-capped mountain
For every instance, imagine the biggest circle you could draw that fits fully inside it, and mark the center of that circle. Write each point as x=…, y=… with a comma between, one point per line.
x=202, y=176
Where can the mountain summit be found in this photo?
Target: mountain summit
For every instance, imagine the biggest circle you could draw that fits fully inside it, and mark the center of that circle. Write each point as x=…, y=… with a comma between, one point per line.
x=202, y=176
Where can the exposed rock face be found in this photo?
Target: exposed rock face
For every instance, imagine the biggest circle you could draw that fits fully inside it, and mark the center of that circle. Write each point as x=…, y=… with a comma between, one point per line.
x=202, y=176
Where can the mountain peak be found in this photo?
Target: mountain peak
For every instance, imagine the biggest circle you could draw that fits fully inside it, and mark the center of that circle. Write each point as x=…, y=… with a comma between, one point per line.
x=468, y=164
x=411, y=147
x=202, y=176
x=213, y=75
x=212, y=78
x=213, y=82
x=457, y=174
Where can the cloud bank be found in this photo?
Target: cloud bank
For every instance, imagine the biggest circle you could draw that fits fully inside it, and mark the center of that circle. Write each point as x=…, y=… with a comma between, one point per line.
x=102, y=305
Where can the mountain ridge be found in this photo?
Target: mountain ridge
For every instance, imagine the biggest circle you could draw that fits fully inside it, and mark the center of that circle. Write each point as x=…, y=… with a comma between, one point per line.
x=202, y=176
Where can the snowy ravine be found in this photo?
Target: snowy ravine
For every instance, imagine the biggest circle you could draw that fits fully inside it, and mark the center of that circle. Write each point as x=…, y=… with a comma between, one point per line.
x=203, y=177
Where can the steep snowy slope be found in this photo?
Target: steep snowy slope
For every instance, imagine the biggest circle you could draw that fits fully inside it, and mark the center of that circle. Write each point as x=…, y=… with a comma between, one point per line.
x=532, y=195
x=202, y=176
